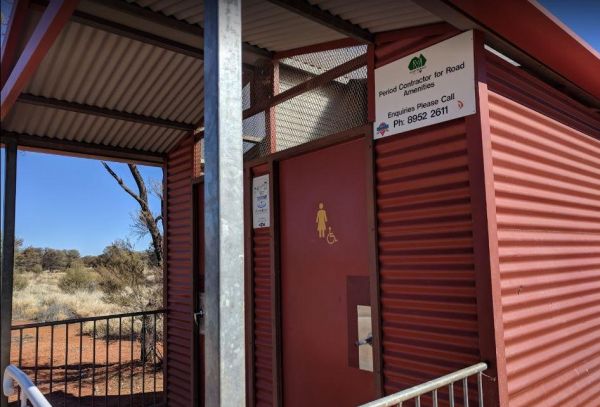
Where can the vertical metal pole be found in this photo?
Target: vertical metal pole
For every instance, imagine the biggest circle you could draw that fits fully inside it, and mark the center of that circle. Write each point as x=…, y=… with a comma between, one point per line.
x=223, y=203
x=8, y=255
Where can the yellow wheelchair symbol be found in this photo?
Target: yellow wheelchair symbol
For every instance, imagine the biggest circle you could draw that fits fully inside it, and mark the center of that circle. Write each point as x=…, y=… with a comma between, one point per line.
x=331, y=239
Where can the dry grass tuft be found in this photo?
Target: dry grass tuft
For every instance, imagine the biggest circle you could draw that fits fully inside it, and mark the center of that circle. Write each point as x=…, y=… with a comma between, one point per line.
x=42, y=300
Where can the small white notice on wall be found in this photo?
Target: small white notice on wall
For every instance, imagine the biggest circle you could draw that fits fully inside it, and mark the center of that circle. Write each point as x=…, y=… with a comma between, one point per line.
x=261, y=211
x=430, y=86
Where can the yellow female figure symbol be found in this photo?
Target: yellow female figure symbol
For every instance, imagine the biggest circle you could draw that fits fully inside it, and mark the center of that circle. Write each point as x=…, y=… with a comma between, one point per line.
x=321, y=221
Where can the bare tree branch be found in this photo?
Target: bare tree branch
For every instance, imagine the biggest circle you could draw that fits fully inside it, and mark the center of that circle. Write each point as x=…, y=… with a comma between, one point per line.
x=137, y=177
x=121, y=183
x=156, y=186
x=144, y=222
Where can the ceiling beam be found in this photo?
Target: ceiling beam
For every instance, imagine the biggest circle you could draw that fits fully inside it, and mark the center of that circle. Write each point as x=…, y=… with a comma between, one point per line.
x=99, y=111
x=325, y=18
x=135, y=34
x=252, y=139
x=14, y=32
x=82, y=149
x=51, y=23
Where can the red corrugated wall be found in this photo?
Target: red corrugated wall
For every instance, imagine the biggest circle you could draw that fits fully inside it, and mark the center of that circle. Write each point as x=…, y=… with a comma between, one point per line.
x=428, y=297
x=547, y=192
x=262, y=323
x=178, y=274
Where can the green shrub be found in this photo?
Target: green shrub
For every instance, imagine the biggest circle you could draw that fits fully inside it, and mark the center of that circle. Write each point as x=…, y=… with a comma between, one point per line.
x=37, y=269
x=77, y=279
x=20, y=282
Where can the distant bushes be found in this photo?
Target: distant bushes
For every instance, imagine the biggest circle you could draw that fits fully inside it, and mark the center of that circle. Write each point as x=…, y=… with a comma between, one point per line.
x=42, y=300
x=119, y=280
x=78, y=279
x=34, y=259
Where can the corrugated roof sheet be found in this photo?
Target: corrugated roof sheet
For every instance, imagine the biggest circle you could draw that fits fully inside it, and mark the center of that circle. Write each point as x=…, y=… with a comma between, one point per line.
x=275, y=28
x=263, y=24
x=65, y=125
x=93, y=67
x=126, y=75
x=377, y=16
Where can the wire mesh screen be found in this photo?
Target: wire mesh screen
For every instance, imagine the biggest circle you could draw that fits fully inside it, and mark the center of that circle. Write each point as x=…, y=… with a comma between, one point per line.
x=338, y=105
x=322, y=61
x=254, y=130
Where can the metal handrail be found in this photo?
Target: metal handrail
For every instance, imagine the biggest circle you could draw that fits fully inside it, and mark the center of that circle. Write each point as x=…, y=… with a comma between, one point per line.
x=117, y=368
x=29, y=392
x=433, y=386
x=87, y=319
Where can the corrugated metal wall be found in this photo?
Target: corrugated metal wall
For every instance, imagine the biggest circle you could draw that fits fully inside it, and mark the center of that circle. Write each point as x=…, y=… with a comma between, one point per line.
x=547, y=187
x=428, y=298
x=178, y=274
x=262, y=325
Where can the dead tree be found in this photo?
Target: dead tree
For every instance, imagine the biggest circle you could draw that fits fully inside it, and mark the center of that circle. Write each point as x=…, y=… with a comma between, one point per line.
x=146, y=220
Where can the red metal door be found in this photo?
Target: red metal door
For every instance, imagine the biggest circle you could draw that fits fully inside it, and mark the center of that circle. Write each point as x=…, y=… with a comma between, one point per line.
x=324, y=276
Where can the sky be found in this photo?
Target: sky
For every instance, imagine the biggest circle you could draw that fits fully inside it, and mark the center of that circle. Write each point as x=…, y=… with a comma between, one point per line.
x=581, y=16
x=72, y=203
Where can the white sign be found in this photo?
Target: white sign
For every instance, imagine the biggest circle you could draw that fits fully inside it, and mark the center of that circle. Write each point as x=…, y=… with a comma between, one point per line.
x=433, y=85
x=261, y=211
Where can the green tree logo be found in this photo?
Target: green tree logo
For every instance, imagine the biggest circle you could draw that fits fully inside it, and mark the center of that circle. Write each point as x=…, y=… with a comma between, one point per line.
x=417, y=63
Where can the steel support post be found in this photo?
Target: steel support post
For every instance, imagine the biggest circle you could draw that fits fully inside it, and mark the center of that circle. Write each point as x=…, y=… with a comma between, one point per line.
x=223, y=202
x=8, y=255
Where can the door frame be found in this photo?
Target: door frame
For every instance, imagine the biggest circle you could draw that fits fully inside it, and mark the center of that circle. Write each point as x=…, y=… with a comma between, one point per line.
x=366, y=133
x=197, y=288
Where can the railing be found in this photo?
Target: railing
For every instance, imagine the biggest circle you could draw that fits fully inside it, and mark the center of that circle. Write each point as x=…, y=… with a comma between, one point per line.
x=28, y=392
x=104, y=360
x=434, y=387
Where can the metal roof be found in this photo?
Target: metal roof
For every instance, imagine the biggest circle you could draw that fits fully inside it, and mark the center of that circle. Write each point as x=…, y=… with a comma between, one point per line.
x=263, y=24
x=378, y=16
x=148, y=87
x=96, y=68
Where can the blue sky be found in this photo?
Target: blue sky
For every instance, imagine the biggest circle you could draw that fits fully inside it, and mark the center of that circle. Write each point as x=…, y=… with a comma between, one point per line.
x=582, y=16
x=72, y=203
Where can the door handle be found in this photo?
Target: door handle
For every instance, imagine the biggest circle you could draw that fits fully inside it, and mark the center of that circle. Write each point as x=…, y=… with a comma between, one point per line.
x=366, y=341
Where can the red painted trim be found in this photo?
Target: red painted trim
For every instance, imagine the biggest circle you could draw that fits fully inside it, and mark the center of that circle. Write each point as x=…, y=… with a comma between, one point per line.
x=314, y=145
x=374, y=275
x=249, y=289
x=485, y=238
x=277, y=373
x=413, y=32
x=16, y=28
x=324, y=46
x=53, y=20
x=371, y=83
x=164, y=212
x=271, y=119
x=538, y=33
